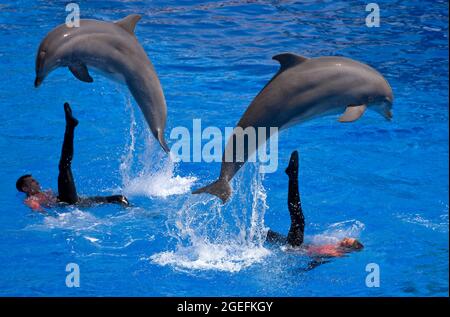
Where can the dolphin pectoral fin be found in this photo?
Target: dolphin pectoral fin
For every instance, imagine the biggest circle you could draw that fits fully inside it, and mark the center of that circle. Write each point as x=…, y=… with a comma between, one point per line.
x=81, y=72
x=129, y=23
x=352, y=113
x=219, y=188
x=288, y=60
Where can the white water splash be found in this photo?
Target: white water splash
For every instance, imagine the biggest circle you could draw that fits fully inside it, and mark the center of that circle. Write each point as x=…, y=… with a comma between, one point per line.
x=212, y=236
x=151, y=174
x=336, y=232
x=209, y=256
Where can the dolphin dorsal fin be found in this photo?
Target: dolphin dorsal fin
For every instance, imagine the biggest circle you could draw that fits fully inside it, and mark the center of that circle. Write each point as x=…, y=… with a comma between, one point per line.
x=288, y=60
x=129, y=23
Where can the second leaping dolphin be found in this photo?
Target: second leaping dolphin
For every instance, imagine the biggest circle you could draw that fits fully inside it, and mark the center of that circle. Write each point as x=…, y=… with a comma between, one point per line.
x=112, y=49
x=303, y=89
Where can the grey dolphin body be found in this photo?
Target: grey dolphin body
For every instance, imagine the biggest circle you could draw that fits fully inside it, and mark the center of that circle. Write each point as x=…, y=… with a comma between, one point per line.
x=112, y=49
x=304, y=89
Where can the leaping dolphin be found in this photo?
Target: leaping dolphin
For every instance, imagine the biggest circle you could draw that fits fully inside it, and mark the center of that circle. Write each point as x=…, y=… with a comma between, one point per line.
x=303, y=89
x=112, y=49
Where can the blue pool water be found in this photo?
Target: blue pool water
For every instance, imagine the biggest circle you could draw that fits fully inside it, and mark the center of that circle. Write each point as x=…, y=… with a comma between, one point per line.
x=383, y=182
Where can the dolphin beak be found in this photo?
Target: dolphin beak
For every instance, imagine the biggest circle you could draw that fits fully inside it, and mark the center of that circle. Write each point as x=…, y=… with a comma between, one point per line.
x=388, y=114
x=38, y=81
x=386, y=110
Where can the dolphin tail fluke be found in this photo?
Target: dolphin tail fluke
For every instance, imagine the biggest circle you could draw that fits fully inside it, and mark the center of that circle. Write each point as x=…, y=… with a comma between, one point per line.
x=219, y=188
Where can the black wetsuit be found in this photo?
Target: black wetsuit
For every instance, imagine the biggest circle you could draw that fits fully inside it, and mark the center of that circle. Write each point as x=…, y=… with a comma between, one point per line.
x=296, y=231
x=67, y=192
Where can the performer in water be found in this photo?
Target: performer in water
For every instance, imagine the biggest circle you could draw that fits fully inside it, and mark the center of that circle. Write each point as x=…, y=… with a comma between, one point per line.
x=37, y=199
x=297, y=229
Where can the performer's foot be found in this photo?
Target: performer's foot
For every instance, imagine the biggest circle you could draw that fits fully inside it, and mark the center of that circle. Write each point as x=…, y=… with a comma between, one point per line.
x=124, y=201
x=292, y=169
x=70, y=119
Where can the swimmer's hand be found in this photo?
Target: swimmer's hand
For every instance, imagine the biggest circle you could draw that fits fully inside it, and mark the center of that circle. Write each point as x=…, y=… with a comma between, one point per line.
x=70, y=119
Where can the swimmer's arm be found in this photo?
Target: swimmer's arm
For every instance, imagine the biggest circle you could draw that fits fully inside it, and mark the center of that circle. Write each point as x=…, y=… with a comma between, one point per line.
x=315, y=263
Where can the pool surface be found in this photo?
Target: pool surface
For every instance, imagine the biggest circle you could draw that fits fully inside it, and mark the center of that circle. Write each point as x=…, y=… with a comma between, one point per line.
x=385, y=183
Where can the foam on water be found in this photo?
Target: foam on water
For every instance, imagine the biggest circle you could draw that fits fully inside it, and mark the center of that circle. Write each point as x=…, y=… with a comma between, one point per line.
x=91, y=239
x=83, y=230
x=74, y=219
x=151, y=174
x=212, y=236
x=440, y=225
